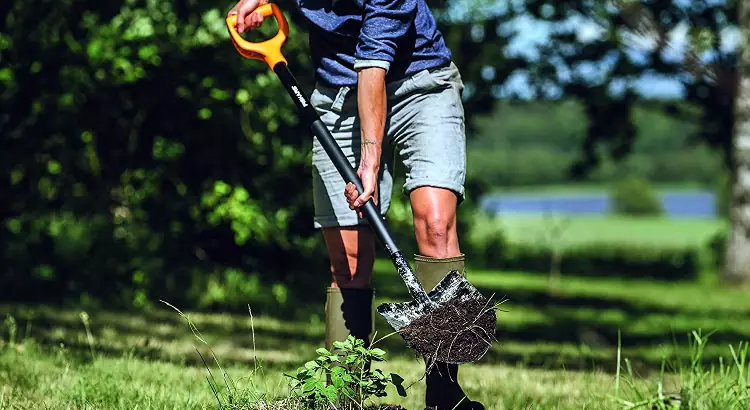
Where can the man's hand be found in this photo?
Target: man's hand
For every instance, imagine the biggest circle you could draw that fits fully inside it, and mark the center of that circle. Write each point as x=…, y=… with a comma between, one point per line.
x=244, y=8
x=371, y=101
x=369, y=177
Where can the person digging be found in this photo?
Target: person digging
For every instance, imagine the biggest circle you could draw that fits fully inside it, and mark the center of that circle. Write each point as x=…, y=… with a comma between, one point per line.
x=385, y=84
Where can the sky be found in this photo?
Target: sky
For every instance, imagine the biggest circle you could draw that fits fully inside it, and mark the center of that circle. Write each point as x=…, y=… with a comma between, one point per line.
x=530, y=33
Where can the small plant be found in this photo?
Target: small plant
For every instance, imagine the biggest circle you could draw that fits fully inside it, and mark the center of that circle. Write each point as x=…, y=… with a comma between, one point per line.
x=553, y=238
x=89, y=336
x=10, y=324
x=634, y=196
x=344, y=378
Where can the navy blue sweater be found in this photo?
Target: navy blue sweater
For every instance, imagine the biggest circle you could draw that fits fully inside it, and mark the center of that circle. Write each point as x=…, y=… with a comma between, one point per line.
x=398, y=35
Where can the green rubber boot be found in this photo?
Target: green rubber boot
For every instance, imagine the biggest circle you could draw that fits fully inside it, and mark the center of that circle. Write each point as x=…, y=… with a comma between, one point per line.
x=443, y=390
x=430, y=271
x=349, y=312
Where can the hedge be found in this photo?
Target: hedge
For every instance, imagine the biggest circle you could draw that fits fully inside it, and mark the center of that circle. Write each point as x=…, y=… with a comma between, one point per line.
x=631, y=261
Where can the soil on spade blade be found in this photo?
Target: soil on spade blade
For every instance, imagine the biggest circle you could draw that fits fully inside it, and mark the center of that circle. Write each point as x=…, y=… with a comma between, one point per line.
x=457, y=331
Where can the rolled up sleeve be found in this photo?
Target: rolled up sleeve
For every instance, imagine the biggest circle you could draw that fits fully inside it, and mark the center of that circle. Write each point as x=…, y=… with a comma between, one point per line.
x=385, y=22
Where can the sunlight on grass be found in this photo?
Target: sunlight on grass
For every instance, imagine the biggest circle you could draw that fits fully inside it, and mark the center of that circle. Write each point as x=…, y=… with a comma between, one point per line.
x=34, y=377
x=54, y=379
x=556, y=350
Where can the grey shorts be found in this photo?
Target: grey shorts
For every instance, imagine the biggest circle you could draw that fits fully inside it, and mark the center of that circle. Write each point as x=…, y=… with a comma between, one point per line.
x=425, y=127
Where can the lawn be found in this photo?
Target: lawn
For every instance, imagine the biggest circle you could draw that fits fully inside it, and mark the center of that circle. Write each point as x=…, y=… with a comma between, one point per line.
x=585, y=229
x=557, y=349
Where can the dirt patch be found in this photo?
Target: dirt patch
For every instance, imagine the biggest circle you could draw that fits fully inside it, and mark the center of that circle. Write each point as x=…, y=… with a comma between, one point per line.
x=456, y=332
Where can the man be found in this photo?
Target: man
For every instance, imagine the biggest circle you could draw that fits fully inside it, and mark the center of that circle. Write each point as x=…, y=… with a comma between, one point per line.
x=385, y=82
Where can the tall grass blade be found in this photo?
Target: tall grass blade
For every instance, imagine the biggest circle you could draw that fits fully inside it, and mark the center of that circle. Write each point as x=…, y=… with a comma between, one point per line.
x=619, y=357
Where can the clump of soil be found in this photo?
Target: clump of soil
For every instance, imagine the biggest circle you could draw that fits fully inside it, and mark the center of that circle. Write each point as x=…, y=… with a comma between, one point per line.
x=456, y=332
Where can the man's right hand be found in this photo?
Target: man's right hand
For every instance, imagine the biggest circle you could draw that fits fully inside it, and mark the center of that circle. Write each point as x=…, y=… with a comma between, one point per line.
x=245, y=8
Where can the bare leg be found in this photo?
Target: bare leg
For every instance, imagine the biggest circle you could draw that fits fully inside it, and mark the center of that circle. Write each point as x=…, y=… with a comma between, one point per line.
x=349, y=298
x=434, y=211
x=352, y=254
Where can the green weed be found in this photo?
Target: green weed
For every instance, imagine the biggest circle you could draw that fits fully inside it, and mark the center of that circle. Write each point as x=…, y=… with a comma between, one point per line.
x=344, y=378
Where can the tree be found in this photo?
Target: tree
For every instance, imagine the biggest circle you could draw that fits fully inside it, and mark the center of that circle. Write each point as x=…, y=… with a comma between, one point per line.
x=707, y=72
x=143, y=158
x=737, y=261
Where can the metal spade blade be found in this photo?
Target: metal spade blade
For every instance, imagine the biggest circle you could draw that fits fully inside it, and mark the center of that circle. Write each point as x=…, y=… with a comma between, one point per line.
x=452, y=287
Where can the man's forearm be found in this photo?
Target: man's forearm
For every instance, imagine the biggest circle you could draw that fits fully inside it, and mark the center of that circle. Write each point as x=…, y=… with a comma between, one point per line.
x=371, y=101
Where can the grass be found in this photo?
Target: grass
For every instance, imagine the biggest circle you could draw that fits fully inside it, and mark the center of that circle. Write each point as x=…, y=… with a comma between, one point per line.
x=558, y=349
x=584, y=229
x=31, y=377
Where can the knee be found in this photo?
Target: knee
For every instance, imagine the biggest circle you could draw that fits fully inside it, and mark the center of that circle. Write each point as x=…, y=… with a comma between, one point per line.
x=434, y=228
x=434, y=211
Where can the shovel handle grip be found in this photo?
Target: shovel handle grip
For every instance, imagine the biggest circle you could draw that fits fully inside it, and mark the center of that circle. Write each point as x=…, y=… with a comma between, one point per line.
x=269, y=50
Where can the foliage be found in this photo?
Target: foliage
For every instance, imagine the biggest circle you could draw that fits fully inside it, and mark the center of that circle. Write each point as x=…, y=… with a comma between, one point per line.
x=717, y=248
x=352, y=380
x=629, y=41
x=634, y=196
x=145, y=159
x=536, y=142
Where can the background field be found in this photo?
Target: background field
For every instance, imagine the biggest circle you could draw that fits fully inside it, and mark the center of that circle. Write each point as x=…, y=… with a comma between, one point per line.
x=583, y=229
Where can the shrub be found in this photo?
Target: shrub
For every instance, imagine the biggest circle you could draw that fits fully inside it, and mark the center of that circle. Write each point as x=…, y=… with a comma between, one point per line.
x=601, y=259
x=717, y=248
x=634, y=196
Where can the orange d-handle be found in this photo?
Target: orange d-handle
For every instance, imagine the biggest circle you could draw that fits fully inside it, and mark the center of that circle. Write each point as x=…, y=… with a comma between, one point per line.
x=269, y=50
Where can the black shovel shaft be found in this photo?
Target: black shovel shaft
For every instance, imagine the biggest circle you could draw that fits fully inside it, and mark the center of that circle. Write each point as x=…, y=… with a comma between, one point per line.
x=369, y=210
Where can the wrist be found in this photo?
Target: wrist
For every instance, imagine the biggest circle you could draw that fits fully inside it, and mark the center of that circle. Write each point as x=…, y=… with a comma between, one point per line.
x=371, y=146
x=370, y=163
